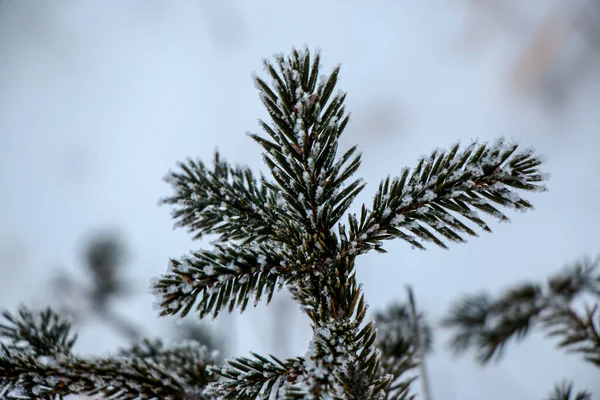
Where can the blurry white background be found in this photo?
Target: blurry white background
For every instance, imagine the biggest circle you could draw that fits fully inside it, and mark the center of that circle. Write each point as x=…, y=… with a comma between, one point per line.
x=99, y=99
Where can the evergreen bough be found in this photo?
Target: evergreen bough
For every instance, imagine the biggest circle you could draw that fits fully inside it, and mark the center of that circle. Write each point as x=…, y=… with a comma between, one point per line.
x=286, y=230
x=486, y=324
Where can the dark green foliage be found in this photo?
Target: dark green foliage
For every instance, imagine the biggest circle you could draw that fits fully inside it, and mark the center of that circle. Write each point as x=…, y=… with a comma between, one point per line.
x=287, y=230
x=43, y=334
x=45, y=368
x=187, y=360
x=425, y=205
x=114, y=378
x=227, y=201
x=248, y=378
x=104, y=254
x=235, y=273
x=303, y=142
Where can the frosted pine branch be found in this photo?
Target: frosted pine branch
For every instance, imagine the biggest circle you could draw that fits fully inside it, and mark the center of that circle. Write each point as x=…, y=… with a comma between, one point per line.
x=311, y=190
x=122, y=379
x=303, y=140
x=45, y=369
x=189, y=360
x=228, y=277
x=435, y=202
x=396, y=339
x=342, y=357
x=40, y=334
x=228, y=201
x=256, y=378
x=287, y=231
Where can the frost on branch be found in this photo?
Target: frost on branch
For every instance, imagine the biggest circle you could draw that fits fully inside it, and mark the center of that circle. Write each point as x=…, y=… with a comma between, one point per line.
x=227, y=201
x=41, y=334
x=189, y=360
x=228, y=277
x=442, y=198
x=287, y=230
x=36, y=362
x=258, y=377
x=300, y=151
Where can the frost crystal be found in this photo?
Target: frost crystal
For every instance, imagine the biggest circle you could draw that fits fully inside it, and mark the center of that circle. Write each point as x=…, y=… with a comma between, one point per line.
x=429, y=195
x=398, y=219
x=306, y=177
x=407, y=200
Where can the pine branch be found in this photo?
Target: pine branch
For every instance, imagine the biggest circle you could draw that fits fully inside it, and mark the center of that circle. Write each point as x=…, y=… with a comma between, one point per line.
x=578, y=334
x=121, y=379
x=395, y=329
x=40, y=334
x=188, y=360
x=115, y=378
x=292, y=236
x=36, y=363
x=487, y=324
x=425, y=205
x=227, y=201
x=565, y=391
x=396, y=340
x=257, y=378
x=281, y=232
x=225, y=278
x=303, y=141
x=301, y=154
x=343, y=359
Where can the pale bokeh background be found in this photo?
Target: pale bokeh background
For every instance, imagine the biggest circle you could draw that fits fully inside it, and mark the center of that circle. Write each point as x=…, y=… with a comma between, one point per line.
x=98, y=100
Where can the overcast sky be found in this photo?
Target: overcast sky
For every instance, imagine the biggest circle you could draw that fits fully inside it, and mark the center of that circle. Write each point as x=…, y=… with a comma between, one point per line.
x=99, y=99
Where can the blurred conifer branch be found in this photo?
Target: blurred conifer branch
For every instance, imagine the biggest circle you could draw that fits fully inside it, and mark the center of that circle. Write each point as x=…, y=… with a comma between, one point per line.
x=565, y=391
x=486, y=324
x=36, y=362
